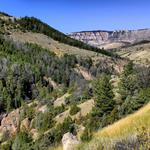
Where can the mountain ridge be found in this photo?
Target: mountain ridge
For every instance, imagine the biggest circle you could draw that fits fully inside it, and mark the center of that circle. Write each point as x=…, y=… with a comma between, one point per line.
x=111, y=39
x=103, y=30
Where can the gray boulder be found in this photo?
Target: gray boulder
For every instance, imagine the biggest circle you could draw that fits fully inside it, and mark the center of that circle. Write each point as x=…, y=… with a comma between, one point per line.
x=69, y=141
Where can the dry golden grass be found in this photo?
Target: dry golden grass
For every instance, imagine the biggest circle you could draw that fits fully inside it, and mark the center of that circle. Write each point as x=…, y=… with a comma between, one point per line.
x=122, y=129
x=128, y=125
x=112, y=45
x=138, y=53
x=48, y=43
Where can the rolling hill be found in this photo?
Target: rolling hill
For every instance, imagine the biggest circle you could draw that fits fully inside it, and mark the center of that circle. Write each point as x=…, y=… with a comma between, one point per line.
x=34, y=25
x=139, y=52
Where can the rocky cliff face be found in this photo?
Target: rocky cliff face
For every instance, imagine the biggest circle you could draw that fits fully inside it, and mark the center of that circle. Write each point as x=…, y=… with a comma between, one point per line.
x=112, y=39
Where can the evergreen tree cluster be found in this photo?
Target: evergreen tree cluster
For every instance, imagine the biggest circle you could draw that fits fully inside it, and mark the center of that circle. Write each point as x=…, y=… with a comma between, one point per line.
x=23, y=68
x=134, y=93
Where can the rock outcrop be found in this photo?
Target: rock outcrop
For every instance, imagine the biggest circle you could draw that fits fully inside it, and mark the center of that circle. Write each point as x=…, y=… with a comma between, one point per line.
x=69, y=141
x=10, y=124
x=35, y=134
x=25, y=124
x=112, y=38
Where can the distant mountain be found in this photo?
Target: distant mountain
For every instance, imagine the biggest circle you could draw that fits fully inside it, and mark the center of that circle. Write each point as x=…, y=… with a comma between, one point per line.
x=112, y=39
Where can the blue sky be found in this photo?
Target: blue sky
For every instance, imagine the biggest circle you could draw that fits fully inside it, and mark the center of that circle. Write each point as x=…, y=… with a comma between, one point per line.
x=77, y=15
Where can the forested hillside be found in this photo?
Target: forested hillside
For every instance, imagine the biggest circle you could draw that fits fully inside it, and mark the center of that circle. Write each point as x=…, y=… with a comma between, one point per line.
x=35, y=25
x=44, y=95
x=22, y=66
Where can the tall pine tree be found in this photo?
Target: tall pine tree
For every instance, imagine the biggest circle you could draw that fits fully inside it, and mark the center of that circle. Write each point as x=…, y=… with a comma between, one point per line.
x=104, y=101
x=103, y=93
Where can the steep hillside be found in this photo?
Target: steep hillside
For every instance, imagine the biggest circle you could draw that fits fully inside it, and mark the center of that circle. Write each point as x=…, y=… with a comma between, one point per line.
x=54, y=88
x=111, y=39
x=30, y=24
x=121, y=134
x=46, y=42
x=43, y=75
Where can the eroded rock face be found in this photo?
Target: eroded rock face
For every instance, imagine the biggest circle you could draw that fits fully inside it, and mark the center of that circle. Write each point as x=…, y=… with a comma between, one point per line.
x=69, y=141
x=10, y=124
x=100, y=38
x=92, y=37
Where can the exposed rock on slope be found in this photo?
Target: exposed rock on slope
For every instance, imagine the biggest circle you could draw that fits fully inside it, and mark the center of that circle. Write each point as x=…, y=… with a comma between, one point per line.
x=69, y=141
x=112, y=39
x=86, y=75
x=9, y=124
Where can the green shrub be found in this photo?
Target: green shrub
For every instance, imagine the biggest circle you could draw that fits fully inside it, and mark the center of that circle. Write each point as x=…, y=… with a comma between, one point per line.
x=74, y=109
x=28, y=112
x=87, y=135
x=23, y=141
x=59, y=109
x=44, y=121
x=55, y=135
x=6, y=146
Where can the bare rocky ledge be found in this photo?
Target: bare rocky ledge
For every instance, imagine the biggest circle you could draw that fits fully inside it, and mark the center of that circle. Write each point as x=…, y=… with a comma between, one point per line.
x=112, y=39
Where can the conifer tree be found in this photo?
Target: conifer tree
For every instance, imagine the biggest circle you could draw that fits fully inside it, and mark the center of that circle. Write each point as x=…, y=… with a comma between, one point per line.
x=103, y=96
x=129, y=84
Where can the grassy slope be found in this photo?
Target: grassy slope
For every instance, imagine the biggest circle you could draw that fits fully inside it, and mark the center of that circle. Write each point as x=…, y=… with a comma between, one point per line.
x=128, y=125
x=49, y=43
x=138, y=53
x=86, y=107
x=34, y=25
x=121, y=129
